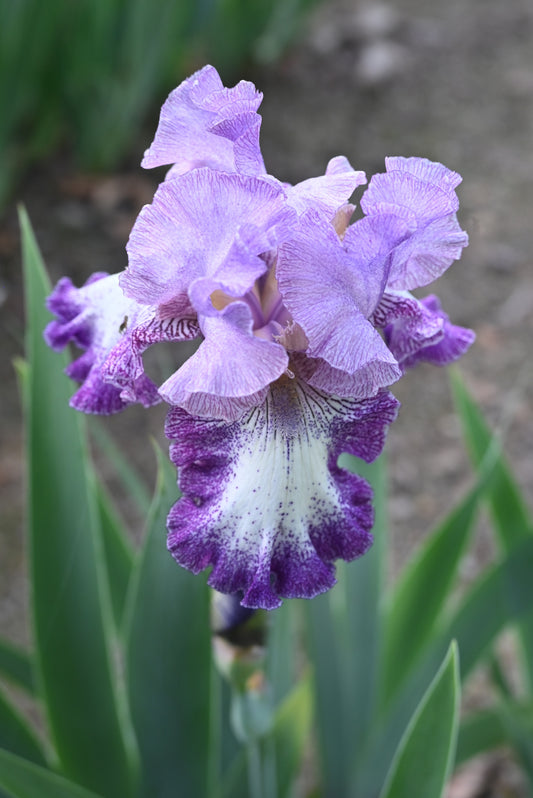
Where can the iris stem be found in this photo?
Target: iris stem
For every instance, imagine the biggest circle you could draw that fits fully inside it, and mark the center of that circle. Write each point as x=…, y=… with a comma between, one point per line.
x=255, y=780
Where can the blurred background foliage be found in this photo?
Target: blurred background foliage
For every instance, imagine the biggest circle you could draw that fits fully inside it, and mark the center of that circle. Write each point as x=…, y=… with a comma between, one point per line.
x=87, y=71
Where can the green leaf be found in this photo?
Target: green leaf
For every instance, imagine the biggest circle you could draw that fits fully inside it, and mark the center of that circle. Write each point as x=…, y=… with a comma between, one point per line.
x=478, y=733
x=425, y=755
x=119, y=554
x=22, y=779
x=415, y=604
x=345, y=644
x=332, y=720
x=512, y=520
x=15, y=733
x=517, y=721
x=280, y=666
x=364, y=586
x=17, y=666
x=291, y=732
x=71, y=608
x=500, y=597
x=285, y=743
x=169, y=661
x=507, y=723
x=134, y=485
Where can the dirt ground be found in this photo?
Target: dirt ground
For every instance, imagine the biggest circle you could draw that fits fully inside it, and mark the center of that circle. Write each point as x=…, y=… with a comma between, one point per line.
x=450, y=81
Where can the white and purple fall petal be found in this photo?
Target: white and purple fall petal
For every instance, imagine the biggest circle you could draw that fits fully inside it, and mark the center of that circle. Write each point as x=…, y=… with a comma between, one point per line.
x=264, y=501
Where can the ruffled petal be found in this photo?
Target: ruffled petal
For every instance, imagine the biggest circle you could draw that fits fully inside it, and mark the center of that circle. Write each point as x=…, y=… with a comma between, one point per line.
x=124, y=364
x=205, y=225
x=408, y=325
x=331, y=286
x=422, y=192
x=419, y=330
x=327, y=193
x=264, y=502
x=95, y=317
x=361, y=385
x=230, y=372
x=428, y=171
x=203, y=123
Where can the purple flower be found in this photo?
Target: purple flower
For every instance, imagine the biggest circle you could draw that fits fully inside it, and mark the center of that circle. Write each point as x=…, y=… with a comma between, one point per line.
x=304, y=320
x=95, y=317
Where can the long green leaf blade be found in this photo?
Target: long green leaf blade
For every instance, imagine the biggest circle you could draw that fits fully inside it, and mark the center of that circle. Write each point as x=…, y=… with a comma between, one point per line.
x=15, y=734
x=500, y=597
x=17, y=666
x=169, y=662
x=512, y=521
x=345, y=644
x=509, y=510
x=119, y=554
x=291, y=731
x=363, y=589
x=332, y=719
x=72, y=619
x=23, y=779
x=478, y=733
x=425, y=755
x=416, y=602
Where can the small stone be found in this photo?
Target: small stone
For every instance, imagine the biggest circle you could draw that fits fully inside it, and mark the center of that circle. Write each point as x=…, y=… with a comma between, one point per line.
x=379, y=62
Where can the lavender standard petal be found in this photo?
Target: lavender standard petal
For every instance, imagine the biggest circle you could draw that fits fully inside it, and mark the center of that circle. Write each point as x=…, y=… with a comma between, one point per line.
x=205, y=124
x=328, y=192
x=422, y=192
x=331, y=286
x=264, y=502
x=205, y=225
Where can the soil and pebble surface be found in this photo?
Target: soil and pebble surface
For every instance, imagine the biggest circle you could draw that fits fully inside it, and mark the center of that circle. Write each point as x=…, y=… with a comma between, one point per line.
x=450, y=81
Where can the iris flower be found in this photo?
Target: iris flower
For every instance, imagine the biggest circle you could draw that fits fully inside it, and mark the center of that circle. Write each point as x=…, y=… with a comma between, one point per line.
x=305, y=318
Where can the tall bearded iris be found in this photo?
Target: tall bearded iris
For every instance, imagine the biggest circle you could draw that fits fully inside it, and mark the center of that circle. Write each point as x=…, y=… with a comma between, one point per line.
x=304, y=320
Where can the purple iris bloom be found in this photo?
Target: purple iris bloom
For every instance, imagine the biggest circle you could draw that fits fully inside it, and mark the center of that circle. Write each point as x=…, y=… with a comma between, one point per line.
x=304, y=320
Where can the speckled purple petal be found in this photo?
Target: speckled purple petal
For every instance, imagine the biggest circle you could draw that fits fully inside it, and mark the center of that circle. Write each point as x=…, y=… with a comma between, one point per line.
x=95, y=317
x=231, y=370
x=419, y=330
x=124, y=365
x=408, y=326
x=205, y=225
x=328, y=192
x=264, y=502
x=203, y=123
x=331, y=287
x=422, y=192
x=361, y=385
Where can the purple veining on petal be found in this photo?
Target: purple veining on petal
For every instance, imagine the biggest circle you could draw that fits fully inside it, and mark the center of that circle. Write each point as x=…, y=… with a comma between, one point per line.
x=264, y=501
x=408, y=325
x=94, y=317
x=231, y=370
x=360, y=385
x=442, y=350
x=204, y=229
x=331, y=286
x=124, y=364
x=203, y=123
x=327, y=193
x=422, y=192
x=428, y=171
